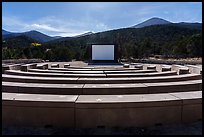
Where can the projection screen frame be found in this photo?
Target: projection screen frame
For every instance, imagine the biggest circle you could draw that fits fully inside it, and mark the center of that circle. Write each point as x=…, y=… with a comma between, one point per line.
x=104, y=61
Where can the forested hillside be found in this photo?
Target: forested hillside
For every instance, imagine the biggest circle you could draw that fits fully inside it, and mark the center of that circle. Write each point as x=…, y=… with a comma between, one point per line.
x=167, y=40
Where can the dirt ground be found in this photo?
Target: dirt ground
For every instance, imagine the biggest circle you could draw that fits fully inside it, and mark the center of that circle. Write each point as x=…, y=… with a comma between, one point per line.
x=187, y=129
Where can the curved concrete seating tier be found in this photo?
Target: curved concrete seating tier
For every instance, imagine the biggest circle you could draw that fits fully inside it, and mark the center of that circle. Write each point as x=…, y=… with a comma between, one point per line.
x=128, y=71
x=54, y=65
x=20, y=73
x=137, y=110
x=153, y=79
x=66, y=72
x=91, y=71
x=94, y=69
x=38, y=110
x=35, y=79
x=142, y=88
x=86, y=111
x=70, y=69
x=75, y=67
x=39, y=88
x=166, y=73
x=59, y=80
x=66, y=65
x=103, y=89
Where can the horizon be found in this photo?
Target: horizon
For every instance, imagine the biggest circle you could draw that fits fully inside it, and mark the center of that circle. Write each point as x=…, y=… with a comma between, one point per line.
x=76, y=18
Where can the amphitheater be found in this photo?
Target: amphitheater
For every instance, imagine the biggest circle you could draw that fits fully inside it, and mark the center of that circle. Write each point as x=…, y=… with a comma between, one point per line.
x=65, y=95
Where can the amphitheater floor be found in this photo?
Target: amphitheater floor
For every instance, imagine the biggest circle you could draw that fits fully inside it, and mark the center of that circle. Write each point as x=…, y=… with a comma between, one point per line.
x=188, y=129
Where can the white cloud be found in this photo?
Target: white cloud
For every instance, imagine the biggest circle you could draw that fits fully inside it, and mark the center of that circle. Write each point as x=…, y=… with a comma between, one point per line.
x=54, y=26
x=14, y=22
x=43, y=27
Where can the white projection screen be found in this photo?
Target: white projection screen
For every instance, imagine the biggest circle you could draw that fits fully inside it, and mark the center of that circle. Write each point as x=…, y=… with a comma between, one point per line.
x=102, y=52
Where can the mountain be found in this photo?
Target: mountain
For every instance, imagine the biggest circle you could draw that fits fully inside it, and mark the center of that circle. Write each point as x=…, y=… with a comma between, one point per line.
x=68, y=38
x=36, y=35
x=150, y=22
x=57, y=37
x=4, y=32
x=104, y=36
x=174, y=39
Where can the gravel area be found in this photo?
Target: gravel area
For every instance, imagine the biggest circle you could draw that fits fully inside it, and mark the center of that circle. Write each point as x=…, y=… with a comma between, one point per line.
x=179, y=129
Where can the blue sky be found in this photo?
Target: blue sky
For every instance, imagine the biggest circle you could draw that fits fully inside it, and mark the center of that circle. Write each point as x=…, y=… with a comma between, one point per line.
x=73, y=18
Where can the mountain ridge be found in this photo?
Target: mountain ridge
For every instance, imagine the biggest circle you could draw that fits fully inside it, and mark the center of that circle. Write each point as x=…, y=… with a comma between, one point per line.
x=151, y=21
x=46, y=38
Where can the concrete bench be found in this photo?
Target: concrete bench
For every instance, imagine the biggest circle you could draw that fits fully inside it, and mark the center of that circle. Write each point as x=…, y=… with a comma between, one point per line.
x=166, y=68
x=194, y=69
x=66, y=65
x=37, y=110
x=26, y=67
x=126, y=65
x=42, y=66
x=183, y=70
x=54, y=65
x=151, y=67
x=39, y=88
x=20, y=73
x=180, y=69
x=138, y=66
